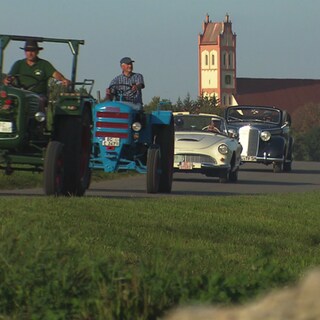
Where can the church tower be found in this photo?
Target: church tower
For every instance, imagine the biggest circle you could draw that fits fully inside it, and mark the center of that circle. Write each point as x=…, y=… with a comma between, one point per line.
x=217, y=61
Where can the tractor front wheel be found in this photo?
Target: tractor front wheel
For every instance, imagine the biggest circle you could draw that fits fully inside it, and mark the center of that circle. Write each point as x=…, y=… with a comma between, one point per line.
x=153, y=168
x=53, y=169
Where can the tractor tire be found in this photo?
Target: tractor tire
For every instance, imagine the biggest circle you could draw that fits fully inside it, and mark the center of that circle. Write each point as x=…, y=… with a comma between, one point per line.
x=153, y=169
x=53, y=169
x=165, y=139
x=75, y=134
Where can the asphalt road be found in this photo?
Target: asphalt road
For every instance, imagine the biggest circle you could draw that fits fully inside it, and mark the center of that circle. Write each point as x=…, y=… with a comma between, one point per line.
x=253, y=179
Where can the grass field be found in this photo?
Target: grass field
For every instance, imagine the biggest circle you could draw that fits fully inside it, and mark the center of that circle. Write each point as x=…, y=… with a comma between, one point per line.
x=97, y=258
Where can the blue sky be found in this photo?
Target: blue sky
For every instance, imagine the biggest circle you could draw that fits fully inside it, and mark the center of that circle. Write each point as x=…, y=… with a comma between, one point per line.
x=275, y=38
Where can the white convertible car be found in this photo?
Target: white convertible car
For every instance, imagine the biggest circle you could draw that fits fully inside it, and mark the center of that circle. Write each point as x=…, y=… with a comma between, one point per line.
x=202, y=145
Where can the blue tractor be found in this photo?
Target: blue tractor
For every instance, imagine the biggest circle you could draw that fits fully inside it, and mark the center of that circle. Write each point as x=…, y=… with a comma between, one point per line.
x=127, y=138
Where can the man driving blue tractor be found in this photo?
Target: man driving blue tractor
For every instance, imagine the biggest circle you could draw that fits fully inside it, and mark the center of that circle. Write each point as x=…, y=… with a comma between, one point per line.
x=128, y=85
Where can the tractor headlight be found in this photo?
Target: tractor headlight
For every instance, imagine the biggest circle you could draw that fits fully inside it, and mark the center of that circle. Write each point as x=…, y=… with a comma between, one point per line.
x=223, y=149
x=265, y=135
x=40, y=116
x=136, y=126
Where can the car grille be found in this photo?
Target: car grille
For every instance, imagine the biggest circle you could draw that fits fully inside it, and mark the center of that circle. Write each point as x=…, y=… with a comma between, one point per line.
x=194, y=158
x=249, y=139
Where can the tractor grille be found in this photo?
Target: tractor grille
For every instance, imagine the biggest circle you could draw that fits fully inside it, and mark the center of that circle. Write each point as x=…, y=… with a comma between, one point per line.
x=33, y=103
x=112, y=124
x=249, y=139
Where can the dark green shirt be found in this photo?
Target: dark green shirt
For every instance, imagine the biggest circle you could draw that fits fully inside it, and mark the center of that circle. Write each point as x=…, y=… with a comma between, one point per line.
x=34, y=78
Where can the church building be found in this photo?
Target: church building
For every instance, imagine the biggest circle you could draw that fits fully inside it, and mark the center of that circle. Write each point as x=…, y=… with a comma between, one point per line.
x=217, y=61
x=217, y=75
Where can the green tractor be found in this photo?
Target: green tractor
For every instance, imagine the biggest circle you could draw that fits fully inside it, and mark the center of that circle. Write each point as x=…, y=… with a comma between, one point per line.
x=55, y=141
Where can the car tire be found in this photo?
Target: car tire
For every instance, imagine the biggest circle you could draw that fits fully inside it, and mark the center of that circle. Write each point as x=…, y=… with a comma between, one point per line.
x=224, y=177
x=278, y=167
x=287, y=166
x=233, y=176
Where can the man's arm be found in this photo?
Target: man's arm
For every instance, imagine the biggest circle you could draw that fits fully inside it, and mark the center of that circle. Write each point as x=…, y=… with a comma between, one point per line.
x=10, y=76
x=139, y=83
x=58, y=76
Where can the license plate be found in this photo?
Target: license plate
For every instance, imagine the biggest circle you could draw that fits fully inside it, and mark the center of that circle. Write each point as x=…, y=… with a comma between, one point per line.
x=111, y=142
x=185, y=166
x=248, y=158
x=5, y=127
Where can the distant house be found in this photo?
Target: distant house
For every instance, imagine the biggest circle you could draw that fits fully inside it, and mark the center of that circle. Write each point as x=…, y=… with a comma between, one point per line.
x=217, y=75
x=288, y=94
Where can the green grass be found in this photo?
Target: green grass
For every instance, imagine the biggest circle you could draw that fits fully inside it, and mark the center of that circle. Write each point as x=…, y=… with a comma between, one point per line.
x=97, y=258
x=27, y=179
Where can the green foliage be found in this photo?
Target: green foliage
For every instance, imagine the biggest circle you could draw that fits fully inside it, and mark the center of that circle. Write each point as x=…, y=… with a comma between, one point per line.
x=306, y=131
x=307, y=145
x=99, y=258
x=203, y=104
x=156, y=102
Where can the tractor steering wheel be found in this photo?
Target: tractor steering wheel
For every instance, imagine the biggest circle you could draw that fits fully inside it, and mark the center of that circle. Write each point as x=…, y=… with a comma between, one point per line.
x=117, y=92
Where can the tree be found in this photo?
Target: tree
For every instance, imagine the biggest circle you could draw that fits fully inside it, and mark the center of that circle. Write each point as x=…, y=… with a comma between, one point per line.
x=306, y=132
x=206, y=104
x=179, y=105
x=165, y=104
x=153, y=104
x=306, y=118
x=188, y=104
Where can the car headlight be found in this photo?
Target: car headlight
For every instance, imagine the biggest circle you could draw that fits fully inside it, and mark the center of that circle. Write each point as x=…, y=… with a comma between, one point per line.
x=265, y=135
x=223, y=148
x=136, y=126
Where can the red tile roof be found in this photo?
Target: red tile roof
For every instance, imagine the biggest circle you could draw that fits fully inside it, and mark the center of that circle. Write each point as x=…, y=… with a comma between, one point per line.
x=288, y=94
x=211, y=33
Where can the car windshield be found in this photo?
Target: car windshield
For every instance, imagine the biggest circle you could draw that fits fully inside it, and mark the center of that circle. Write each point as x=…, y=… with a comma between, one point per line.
x=258, y=114
x=199, y=123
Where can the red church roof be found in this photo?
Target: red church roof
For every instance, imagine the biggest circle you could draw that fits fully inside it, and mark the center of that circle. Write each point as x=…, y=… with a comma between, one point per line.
x=211, y=33
x=288, y=94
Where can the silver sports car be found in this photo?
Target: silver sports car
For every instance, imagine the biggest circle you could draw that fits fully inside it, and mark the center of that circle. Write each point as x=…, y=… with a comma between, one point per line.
x=202, y=145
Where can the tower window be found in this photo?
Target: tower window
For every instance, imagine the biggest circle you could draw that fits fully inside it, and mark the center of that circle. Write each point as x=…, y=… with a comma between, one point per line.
x=227, y=79
x=212, y=60
x=206, y=60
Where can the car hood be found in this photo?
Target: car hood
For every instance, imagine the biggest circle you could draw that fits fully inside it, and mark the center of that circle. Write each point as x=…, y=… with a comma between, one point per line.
x=198, y=139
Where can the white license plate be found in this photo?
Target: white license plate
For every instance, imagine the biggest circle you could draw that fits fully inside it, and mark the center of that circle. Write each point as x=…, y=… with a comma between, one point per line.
x=248, y=158
x=185, y=166
x=5, y=127
x=111, y=142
